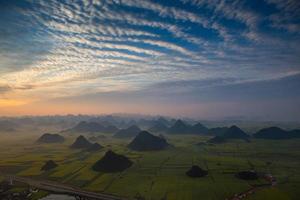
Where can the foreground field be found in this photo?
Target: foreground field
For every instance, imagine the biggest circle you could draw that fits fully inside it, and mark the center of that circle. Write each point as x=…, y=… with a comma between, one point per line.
x=161, y=175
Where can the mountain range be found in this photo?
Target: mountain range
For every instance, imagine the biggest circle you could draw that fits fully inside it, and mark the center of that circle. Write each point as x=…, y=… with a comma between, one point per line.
x=92, y=127
x=180, y=127
x=129, y=132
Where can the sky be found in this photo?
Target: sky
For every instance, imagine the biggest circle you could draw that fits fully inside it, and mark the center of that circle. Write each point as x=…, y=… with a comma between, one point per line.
x=209, y=59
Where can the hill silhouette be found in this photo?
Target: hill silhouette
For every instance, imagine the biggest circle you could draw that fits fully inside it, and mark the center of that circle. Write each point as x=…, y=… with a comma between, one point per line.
x=179, y=127
x=199, y=129
x=112, y=162
x=95, y=147
x=51, y=138
x=132, y=131
x=50, y=164
x=235, y=132
x=158, y=127
x=92, y=127
x=145, y=141
x=276, y=133
x=81, y=143
x=163, y=121
x=195, y=171
x=294, y=133
x=217, y=130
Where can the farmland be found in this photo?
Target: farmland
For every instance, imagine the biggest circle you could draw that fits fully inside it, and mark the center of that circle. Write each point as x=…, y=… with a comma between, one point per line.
x=161, y=174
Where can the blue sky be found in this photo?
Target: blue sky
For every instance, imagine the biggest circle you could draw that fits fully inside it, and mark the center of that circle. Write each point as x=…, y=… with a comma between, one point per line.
x=196, y=58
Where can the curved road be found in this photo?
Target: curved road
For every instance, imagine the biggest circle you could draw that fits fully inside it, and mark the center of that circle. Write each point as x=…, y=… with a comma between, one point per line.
x=62, y=188
x=268, y=177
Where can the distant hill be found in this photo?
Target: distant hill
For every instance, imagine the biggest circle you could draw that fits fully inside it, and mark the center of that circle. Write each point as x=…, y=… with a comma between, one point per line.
x=87, y=127
x=195, y=172
x=235, y=132
x=132, y=131
x=163, y=121
x=51, y=138
x=112, y=162
x=92, y=127
x=131, y=123
x=81, y=143
x=95, y=147
x=199, y=129
x=145, y=141
x=50, y=164
x=276, y=133
x=158, y=127
x=180, y=127
x=294, y=133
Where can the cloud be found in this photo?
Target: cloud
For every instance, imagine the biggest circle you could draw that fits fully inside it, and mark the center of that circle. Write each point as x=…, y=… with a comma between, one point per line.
x=288, y=16
x=4, y=89
x=64, y=48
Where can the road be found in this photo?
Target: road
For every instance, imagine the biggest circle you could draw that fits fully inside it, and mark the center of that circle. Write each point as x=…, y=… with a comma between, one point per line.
x=62, y=188
x=268, y=177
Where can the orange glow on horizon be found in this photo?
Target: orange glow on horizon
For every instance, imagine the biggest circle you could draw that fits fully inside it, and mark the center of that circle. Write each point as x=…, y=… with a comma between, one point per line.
x=11, y=102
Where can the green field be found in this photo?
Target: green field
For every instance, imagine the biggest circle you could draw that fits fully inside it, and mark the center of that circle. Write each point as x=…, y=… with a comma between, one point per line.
x=161, y=174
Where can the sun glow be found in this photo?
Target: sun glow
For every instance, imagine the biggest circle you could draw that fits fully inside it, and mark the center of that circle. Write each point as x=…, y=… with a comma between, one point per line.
x=11, y=102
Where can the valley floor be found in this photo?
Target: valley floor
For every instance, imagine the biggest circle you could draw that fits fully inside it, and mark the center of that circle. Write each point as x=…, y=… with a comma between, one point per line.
x=160, y=175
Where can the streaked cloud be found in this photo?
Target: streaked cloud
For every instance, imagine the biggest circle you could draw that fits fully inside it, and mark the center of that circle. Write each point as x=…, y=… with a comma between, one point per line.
x=69, y=48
